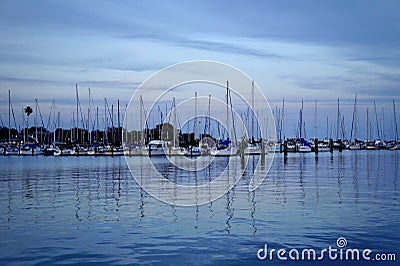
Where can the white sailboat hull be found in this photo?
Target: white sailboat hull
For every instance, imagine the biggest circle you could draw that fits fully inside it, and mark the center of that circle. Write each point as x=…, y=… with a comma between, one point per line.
x=323, y=148
x=304, y=149
x=175, y=151
x=252, y=150
x=224, y=152
x=152, y=151
x=355, y=147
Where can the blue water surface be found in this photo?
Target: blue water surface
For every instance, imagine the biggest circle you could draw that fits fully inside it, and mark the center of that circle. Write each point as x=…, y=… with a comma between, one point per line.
x=90, y=210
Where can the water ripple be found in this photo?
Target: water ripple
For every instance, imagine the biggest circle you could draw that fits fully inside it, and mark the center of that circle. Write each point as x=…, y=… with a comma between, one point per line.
x=91, y=210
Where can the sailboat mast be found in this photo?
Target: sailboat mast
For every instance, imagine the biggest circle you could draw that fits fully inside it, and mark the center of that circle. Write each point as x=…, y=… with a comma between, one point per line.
x=252, y=110
x=315, y=120
x=88, y=127
x=367, y=125
x=24, y=124
x=257, y=128
x=119, y=126
x=174, y=122
x=395, y=122
x=59, y=126
x=301, y=119
x=233, y=119
x=112, y=125
x=161, y=120
x=9, y=116
x=338, y=120
x=227, y=107
x=77, y=113
x=125, y=116
x=36, y=113
x=342, y=128
x=383, y=125
x=97, y=124
x=355, y=118
x=54, y=120
x=283, y=119
x=278, y=121
x=141, y=121
x=105, y=122
x=376, y=121
x=72, y=123
x=354, y=122
x=195, y=116
x=209, y=114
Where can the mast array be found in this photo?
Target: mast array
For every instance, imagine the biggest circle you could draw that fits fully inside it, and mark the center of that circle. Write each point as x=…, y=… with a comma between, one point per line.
x=85, y=133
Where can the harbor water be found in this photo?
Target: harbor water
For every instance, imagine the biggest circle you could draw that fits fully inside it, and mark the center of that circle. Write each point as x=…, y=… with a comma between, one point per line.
x=83, y=210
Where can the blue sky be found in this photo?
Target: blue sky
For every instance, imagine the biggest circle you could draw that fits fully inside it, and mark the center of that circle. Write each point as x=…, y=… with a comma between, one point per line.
x=315, y=50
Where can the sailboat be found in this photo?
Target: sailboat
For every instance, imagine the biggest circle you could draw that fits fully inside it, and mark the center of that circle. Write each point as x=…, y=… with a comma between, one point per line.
x=206, y=142
x=11, y=150
x=377, y=143
x=321, y=144
x=302, y=145
x=277, y=146
x=194, y=150
x=396, y=144
x=51, y=151
x=11, y=147
x=291, y=145
x=154, y=148
x=225, y=148
x=135, y=148
x=173, y=149
x=355, y=144
x=252, y=148
x=29, y=149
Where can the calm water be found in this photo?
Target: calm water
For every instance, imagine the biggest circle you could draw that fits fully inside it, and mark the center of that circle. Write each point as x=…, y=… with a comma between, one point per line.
x=91, y=210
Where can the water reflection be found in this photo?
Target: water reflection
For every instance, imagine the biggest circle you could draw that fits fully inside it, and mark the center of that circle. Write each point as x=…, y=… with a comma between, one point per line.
x=354, y=163
x=316, y=171
x=110, y=187
x=229, y=210
x=253, y=211
x=395, y=162
x=303, y=199
x=340, y=176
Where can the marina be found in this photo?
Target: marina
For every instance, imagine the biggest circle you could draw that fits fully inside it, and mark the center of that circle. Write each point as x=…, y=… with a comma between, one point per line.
x=167, y=138
x=199, y=133
x=72, y=197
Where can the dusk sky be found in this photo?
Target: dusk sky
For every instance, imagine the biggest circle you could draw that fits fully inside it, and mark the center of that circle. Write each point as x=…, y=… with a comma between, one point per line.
x=315, y=50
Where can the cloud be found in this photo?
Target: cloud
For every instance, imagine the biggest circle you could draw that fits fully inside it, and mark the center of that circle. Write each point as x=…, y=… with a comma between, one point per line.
x=225, y=48
x=308, y=49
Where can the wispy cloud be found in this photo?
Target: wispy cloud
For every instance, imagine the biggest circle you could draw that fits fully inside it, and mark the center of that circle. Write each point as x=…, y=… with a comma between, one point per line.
x=309, y=49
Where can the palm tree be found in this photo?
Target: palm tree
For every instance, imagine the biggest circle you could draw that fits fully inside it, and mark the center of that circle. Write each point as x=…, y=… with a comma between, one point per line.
x=28, y=111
